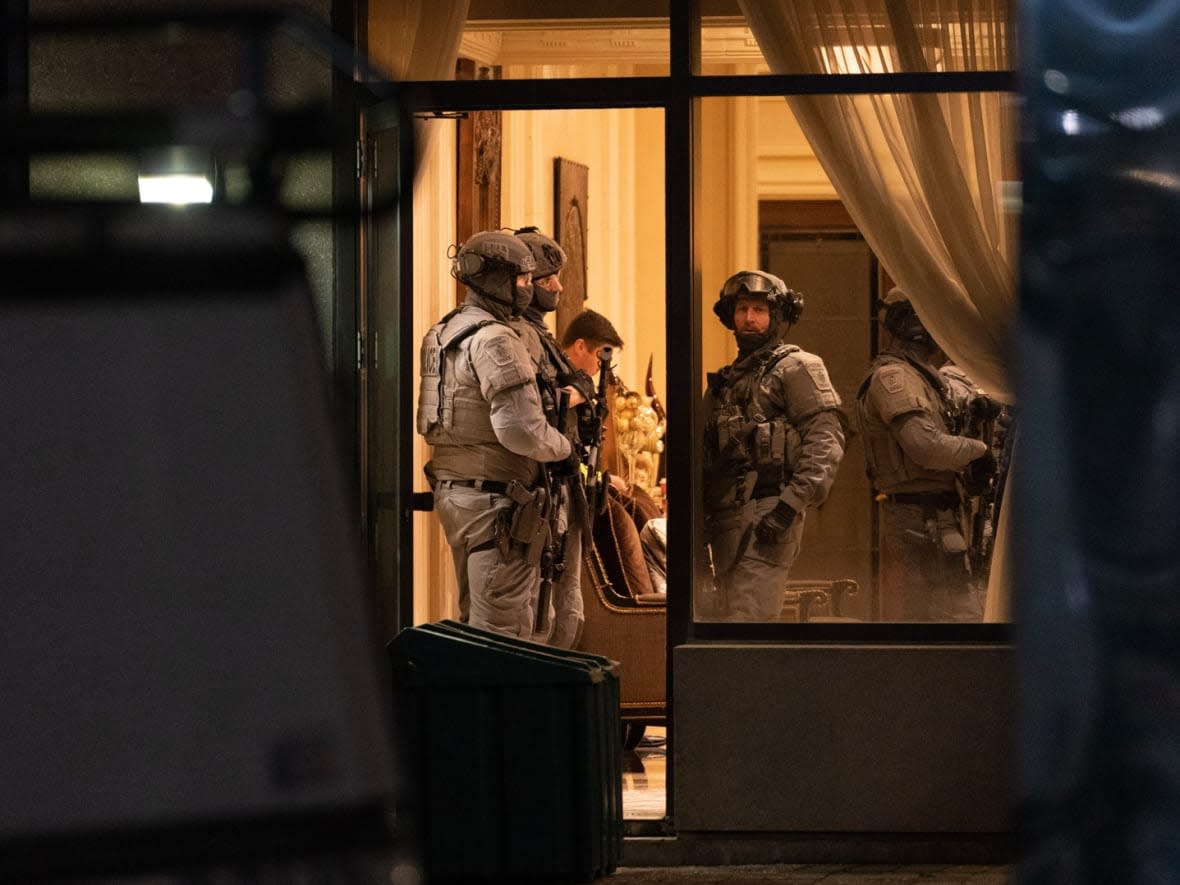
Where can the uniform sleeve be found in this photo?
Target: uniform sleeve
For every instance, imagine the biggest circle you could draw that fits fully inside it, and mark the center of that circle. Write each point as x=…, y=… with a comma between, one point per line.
x=813, y=408
x=507, y=379
x=928, y=445
x=819, y=456
x=519, y=424
x=895, y=390
x=804, y=386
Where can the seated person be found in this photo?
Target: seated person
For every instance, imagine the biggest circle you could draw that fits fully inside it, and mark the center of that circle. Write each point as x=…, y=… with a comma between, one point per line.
x=654, y=539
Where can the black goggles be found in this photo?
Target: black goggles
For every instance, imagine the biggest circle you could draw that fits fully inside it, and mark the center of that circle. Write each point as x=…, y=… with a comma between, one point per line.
x=749, y=283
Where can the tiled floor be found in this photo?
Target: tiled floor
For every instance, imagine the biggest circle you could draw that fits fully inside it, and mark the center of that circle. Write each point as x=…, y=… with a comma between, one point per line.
x=644, y=772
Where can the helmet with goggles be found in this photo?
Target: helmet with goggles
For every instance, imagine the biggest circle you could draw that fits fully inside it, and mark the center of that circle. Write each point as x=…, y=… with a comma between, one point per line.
x=901, y=320
x=786, y=305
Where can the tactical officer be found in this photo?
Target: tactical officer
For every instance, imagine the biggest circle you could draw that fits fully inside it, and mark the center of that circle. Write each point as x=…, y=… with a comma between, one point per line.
x=918, y=463
x=774, y=438
x=566, y=395
x=480, y=409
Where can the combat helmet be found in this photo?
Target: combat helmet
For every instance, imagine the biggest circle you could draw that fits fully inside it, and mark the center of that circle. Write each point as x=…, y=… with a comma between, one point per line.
x=550, y=258
x=490, y=261
x=901, y=320
x=786, y=305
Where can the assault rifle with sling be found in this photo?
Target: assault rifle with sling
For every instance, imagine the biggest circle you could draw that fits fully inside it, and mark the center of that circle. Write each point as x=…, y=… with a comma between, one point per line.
x=980, y=422
x=594, y=478
x=555, y=475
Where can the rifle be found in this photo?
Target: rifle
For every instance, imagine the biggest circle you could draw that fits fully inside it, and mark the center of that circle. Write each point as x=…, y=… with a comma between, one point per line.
x=553, y=555
x=987, y=509
x=594, y=495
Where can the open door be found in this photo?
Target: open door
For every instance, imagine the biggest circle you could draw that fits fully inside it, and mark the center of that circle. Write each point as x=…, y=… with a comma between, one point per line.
x=383, y=340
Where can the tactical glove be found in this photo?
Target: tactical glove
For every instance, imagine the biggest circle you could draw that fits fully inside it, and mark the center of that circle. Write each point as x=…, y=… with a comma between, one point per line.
x=570, y=466
x=978, y=472
x=772, y=528
x=579, y=381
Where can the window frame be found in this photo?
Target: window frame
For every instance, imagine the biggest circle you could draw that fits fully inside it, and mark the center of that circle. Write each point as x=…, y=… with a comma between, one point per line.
x=678, y=95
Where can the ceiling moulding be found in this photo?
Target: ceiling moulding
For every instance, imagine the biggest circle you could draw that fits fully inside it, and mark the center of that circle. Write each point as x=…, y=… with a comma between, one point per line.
x=530, y=43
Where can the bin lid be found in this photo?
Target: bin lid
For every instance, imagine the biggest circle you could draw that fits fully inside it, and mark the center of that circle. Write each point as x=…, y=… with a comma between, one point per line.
x=433, y=655
x=571, y=654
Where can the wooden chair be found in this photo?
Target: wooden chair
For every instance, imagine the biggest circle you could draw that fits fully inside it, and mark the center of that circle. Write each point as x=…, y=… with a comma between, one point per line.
x=627, y=622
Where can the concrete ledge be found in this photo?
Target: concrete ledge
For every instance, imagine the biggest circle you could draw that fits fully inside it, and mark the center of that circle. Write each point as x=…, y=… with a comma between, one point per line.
x=899, y=739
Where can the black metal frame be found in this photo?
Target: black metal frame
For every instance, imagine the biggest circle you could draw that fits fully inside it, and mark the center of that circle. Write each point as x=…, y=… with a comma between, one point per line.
x=679, y=95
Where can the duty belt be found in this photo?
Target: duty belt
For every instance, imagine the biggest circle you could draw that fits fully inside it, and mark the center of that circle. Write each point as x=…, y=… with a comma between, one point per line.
x=937, y=499
x=484, y=485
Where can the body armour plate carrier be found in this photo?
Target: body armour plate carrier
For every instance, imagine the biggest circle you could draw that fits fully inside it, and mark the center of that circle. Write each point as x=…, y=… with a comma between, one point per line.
x=437, y=419
x=887, y=465
x=757, y=453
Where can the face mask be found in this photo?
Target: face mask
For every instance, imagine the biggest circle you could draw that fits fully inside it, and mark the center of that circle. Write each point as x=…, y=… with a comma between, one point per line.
x=523, y=297
x=545, y=300
x=748, y=342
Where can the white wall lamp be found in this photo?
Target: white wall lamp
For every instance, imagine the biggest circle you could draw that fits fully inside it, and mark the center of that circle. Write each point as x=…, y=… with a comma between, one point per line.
x=177, y=175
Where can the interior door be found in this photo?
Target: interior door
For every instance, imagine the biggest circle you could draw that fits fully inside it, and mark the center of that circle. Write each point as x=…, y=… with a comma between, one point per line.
x=837, y=276
x=385, y=403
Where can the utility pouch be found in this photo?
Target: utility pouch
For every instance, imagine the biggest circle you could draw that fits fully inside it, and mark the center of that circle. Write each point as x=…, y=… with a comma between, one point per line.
x=530, y=520
x=778, y=442
x=724, y=432
x=763, y=450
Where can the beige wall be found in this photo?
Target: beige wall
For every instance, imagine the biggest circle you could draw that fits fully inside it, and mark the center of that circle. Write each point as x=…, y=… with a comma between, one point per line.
x=623, y=148
x=434, y=295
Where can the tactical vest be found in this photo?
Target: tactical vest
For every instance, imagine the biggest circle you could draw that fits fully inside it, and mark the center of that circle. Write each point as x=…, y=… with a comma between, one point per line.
x=888, y=467
x=755, y=450
x=442, y=417
x=552, y=366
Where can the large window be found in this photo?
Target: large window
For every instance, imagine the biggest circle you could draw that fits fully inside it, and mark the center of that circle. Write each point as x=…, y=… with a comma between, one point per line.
x=844, y=152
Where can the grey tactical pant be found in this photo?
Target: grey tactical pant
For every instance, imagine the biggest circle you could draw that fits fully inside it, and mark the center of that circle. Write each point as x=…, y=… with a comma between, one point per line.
x=497, y=585
x=919, y=582
x=751, y=576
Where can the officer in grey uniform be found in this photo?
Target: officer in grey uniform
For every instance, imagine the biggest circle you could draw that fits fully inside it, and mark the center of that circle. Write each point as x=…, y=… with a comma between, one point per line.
x=774, y=437
x=566, y=393
x=919, y=467
x=480, y=409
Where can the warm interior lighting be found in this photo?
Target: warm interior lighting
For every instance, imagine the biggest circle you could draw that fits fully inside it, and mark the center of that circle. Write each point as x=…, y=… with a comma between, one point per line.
x=175, y=189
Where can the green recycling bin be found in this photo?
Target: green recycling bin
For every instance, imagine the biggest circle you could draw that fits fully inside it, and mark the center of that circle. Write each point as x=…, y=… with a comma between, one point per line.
x=511, y=753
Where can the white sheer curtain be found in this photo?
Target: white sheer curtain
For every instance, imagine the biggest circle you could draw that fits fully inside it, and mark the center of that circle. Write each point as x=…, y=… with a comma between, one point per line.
x=922, y=175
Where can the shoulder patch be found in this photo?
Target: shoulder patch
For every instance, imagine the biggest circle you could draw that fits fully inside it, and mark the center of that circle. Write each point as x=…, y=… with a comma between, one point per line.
x=500, y=352
x=893, y=379
x=819, y=374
